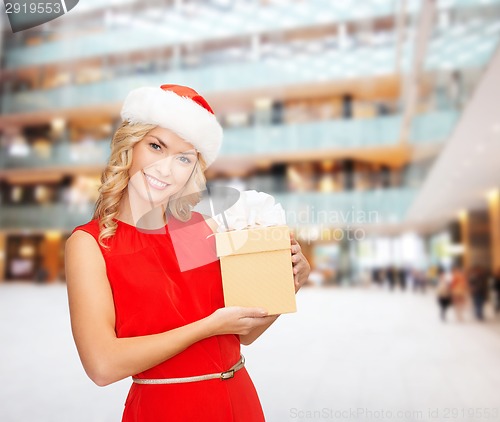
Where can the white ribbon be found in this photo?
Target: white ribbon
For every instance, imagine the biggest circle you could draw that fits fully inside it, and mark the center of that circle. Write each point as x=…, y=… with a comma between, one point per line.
x=253, y=209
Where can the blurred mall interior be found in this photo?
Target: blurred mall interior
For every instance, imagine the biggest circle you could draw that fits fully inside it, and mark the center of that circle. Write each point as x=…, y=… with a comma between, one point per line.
x=375, y=124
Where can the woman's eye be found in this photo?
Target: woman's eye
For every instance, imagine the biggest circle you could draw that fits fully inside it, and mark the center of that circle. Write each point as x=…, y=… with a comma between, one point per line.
x=187, y=160
x=153, y=145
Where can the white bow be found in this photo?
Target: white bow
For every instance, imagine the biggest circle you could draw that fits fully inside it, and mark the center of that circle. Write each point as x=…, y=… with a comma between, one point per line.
x=252, y=209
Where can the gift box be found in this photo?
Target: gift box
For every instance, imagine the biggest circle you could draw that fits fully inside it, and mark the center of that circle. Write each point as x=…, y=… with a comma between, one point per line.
x=256, y=262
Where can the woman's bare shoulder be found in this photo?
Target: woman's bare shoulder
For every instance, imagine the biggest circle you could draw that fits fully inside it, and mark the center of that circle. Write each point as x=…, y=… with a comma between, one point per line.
x=79, y=237
x=82, y=245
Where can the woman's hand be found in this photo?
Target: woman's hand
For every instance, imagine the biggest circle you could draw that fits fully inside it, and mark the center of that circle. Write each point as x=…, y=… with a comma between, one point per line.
x=301, y=267
x=238, y=319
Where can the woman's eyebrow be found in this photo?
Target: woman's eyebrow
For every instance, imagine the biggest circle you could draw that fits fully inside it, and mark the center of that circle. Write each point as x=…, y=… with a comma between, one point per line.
x=190, y=152
x=159, y=140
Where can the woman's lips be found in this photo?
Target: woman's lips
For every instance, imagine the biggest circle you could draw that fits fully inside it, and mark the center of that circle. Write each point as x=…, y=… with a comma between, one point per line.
x=155, y=183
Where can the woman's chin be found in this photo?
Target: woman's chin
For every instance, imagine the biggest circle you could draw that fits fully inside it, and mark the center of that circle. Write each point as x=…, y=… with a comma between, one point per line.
x=161, y=202
x=156, y=200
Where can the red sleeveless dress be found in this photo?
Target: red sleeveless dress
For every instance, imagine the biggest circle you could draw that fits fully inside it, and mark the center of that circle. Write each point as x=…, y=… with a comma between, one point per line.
x=163, y=279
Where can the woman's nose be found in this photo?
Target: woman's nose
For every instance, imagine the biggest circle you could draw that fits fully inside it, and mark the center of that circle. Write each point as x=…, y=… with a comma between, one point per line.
x=164, y=166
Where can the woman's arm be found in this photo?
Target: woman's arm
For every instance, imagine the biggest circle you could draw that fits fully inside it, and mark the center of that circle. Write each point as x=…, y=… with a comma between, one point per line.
x=106, y=358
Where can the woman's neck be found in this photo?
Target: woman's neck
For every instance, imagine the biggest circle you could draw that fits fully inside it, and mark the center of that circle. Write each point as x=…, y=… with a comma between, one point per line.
x=149, y=219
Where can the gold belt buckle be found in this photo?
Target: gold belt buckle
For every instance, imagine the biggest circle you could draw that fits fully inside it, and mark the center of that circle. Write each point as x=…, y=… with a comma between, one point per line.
x=226, y=375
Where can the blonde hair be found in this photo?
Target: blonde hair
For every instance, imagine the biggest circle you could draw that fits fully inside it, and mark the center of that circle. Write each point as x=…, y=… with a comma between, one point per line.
x=115, y=178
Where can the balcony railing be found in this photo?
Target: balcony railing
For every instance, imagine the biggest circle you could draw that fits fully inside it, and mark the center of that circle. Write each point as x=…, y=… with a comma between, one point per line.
x=291, y=138
x=330, y=210
x=61, y=155
x=44, y=217
x=445, y=53
x=273, y=73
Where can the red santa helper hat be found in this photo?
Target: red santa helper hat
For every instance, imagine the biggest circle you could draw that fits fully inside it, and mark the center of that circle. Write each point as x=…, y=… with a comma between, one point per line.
x=180, y=109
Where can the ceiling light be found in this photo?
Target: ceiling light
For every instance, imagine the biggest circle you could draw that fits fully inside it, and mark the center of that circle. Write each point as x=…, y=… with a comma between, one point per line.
x=492, y=194
x=58, y=124
x=53, y=234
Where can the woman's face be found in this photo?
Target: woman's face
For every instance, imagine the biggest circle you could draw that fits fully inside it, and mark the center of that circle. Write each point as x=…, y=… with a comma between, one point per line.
x=162, y=163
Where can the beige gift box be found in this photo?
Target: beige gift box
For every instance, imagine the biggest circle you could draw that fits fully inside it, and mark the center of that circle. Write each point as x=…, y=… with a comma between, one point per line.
x=257, y=269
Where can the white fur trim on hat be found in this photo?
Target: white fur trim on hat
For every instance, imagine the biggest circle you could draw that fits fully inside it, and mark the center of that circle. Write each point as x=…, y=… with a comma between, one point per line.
x=181, y=115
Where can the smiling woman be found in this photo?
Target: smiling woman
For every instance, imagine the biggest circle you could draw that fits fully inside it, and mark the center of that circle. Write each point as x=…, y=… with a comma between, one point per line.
x=135, y=311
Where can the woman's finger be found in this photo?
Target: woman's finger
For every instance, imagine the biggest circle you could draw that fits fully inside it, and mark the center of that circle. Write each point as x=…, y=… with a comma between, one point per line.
x=298, y=257
x=299, y=266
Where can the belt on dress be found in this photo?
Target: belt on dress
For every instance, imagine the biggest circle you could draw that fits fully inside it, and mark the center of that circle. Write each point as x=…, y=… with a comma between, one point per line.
x=222, y=375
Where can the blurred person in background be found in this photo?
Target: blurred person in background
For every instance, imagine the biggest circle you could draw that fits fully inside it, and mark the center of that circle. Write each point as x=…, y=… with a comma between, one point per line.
x=391, y=276
x=478, y=284
x=496, y=289
x=432, y=275
x=133, y=310
x=419, y=281
x=443, y=291
x=41, y=275
x=376, y=276
x=402, y=276
x=456, y=89
x=459, y=291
